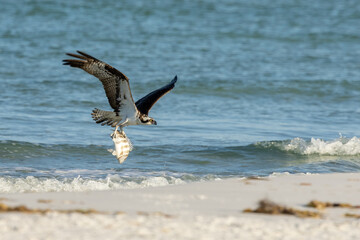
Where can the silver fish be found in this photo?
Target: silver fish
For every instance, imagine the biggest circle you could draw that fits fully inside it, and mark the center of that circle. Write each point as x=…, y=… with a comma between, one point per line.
x=123, y=145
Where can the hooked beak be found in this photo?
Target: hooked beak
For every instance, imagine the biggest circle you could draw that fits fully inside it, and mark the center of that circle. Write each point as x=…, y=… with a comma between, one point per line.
x=154, y=122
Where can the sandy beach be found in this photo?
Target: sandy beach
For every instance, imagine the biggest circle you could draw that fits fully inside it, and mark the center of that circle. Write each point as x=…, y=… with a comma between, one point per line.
x=205, y=210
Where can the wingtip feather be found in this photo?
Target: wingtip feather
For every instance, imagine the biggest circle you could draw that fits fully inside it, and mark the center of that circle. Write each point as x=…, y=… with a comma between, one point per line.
x=174, y=80
x=74, y=62
x=87, y=55
x=76, y=56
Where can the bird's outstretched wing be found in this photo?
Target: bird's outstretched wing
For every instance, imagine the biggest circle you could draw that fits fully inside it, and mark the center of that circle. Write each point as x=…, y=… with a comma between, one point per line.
x=115, y=83
x=144, y=104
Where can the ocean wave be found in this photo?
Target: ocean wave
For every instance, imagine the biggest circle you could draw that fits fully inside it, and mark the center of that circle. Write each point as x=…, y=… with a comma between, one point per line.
x=29, y=167
x=341, y=146
x=85, y=184
x=79, y=184
x=315, y=146
x=17, y=149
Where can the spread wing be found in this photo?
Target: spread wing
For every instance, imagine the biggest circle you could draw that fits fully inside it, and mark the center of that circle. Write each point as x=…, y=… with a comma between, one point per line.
x=144, y=104
x=115, y=83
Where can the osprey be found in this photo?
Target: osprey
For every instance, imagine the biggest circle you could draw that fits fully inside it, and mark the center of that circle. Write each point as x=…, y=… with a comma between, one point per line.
x=116, y=84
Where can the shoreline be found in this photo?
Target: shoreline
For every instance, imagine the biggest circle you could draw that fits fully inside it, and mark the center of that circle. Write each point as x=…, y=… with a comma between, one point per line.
x=196, y=208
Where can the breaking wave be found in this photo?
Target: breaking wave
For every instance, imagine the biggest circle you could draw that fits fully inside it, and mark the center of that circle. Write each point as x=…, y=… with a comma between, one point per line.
x=338, y=147
x=81, y=184
x=29, y=167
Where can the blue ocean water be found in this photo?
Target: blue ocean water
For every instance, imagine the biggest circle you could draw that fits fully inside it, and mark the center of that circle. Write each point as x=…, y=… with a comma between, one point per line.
x=264, y=87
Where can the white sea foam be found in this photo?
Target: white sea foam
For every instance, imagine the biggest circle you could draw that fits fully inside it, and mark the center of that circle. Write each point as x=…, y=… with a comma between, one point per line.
x=281, y=174
x=338, y=147
x=79, y=184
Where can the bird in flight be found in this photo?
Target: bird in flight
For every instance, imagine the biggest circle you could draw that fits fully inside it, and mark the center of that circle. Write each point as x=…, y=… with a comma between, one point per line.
x=125, y=111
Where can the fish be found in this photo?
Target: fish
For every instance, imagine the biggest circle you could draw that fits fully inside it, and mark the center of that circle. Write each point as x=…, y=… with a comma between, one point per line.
x=123, y=145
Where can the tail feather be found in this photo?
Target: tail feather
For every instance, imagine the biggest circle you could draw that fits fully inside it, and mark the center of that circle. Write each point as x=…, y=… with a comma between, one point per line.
x=105, y=117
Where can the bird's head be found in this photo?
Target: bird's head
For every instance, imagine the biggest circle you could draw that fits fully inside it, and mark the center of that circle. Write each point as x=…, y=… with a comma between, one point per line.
x=146, y=120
